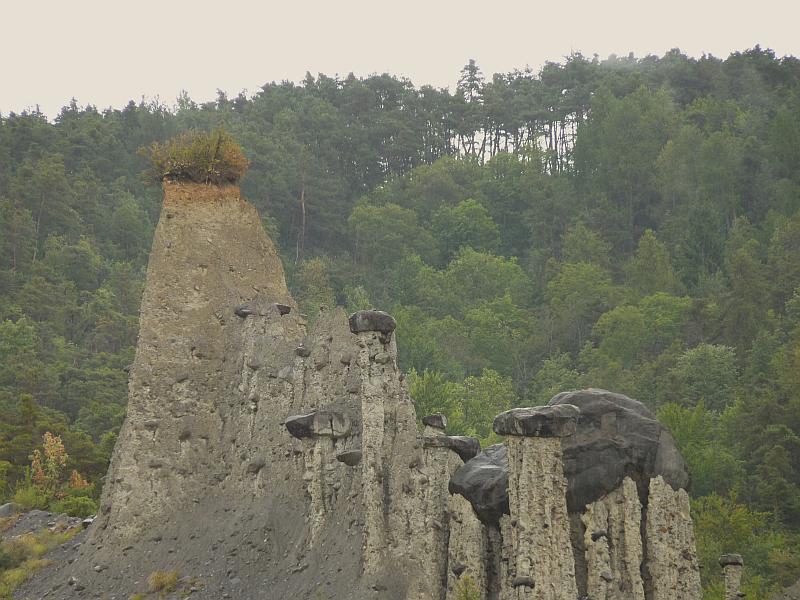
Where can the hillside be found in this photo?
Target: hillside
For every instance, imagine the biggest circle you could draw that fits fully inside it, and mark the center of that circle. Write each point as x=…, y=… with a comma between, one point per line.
x=630, y=224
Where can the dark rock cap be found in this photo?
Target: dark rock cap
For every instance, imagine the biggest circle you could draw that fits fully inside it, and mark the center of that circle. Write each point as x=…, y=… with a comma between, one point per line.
x=538, y=421
x=466, y=447
x=324, y=422
x=483, y=481
x=437, y=421
x=731, y=559
x=372, y=320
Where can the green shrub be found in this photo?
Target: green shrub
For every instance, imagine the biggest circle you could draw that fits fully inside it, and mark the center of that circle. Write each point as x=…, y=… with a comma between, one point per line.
x=29, y=496
x=467, y=589
x=197, y=156
x=75, y=506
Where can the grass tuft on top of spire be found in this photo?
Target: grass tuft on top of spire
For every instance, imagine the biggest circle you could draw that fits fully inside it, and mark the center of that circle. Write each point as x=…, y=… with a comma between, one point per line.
x=197, y=156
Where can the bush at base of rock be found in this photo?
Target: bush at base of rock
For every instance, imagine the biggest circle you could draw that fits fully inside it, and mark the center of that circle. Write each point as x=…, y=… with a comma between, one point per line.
x=75, y=506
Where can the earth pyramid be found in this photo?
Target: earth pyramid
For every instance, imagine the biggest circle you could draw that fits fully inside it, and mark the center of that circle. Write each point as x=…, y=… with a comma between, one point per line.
x=262, y=459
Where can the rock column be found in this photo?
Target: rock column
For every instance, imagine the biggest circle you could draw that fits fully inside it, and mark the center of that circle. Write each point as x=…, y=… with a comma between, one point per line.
x=466, y=550
x=319, y=429
x=671, y=555
x=732, y=571
x=613, y=544
x=442, y=456
x=543, y=564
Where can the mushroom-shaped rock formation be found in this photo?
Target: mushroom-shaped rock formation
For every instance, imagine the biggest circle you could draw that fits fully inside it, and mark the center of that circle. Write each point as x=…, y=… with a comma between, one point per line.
x=615, y=437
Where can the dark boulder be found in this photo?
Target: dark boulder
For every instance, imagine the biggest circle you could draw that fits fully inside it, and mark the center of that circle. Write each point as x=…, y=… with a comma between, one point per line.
x=466, y=447
x=483, y=481
x=617, y=437
x=372, y=320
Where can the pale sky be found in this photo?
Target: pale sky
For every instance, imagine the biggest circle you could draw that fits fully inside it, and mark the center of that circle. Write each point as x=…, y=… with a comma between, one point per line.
x=108, y=52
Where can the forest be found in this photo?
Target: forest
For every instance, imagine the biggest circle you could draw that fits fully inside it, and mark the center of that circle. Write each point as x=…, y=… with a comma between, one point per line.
x=629, y=223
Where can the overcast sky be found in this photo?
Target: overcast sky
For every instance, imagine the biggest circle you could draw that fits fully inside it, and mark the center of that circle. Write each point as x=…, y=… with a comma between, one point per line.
x=108, y=52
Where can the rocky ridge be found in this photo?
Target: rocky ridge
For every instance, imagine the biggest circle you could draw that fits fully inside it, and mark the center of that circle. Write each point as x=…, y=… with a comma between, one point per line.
x=264, y=459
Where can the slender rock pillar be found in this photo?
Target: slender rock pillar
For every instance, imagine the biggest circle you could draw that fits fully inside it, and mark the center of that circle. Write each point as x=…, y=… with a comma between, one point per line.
x=732, y=571
x=466, y=550
x=374, y=329
x=671, y=555
x=443, y=455
x=613, y=544
x=543, y=564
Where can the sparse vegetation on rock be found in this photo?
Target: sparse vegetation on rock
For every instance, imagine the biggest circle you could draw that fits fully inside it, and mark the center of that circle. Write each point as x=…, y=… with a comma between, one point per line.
x=22, y=556
x=197, y=156
x=163, y=581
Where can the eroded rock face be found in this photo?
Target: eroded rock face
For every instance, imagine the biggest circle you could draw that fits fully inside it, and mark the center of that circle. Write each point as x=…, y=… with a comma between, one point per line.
x=466, y=548
x=257, y=455
x=790, y=593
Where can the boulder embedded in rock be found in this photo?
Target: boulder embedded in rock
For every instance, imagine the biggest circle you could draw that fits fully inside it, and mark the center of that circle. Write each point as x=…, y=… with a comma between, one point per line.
x=324, y=422
x=244, y=310
x=483, y=481
x=283, y=309
x=372, y=320
x=350, y=457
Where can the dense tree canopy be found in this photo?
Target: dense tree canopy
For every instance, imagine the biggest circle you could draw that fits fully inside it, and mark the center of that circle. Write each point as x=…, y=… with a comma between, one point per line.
x=632, y=223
